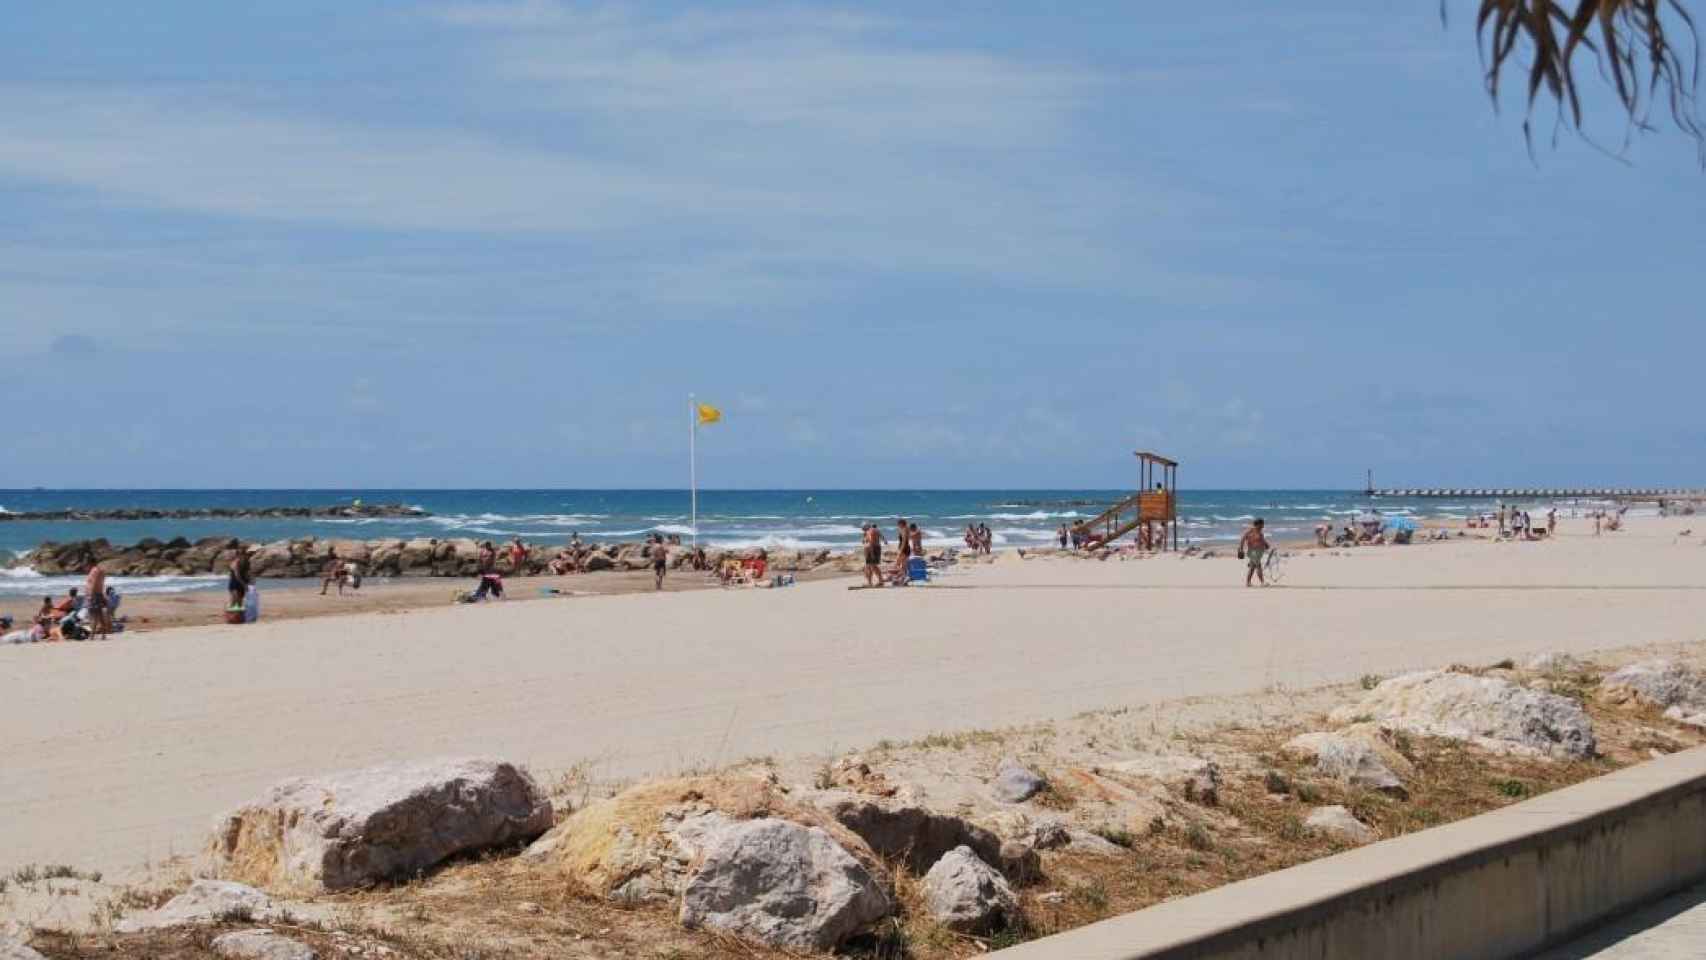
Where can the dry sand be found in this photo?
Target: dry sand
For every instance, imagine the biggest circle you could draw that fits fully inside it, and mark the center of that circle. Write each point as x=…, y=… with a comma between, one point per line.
x=112, y=754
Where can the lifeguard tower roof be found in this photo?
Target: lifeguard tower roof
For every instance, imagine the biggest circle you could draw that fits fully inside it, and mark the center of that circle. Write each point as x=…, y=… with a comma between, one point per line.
x=1156, y=458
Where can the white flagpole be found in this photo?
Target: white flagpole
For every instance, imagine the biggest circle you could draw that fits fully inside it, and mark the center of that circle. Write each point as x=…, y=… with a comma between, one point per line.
x=693, y=461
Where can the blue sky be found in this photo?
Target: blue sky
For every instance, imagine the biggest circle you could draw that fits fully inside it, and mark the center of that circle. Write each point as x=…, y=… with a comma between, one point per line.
x=345, y=244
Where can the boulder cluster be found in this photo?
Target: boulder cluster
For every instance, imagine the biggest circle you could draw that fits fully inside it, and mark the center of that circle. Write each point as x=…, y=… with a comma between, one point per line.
x=421, y=557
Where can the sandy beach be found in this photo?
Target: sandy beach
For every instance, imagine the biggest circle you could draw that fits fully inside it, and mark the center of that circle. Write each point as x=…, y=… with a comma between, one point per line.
x=122, y=752
x=296, y=600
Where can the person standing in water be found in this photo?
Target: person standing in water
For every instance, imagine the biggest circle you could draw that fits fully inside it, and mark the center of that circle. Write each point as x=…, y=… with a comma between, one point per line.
x=1253, y=547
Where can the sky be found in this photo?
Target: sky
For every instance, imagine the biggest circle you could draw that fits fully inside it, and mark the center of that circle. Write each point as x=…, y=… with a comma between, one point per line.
x=332, y=243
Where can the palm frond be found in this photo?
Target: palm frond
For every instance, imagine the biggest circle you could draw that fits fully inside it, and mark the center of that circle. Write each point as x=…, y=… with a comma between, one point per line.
x=1631, y=42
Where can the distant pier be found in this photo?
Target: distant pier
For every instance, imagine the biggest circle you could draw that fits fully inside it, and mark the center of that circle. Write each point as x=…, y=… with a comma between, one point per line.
x=1540, y=493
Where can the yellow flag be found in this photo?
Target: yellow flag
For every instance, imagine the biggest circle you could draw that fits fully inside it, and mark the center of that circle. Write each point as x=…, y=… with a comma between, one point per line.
x=709, y=414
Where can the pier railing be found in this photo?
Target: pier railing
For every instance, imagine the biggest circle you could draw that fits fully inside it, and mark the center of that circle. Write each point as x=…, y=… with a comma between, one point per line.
x=1536, y=493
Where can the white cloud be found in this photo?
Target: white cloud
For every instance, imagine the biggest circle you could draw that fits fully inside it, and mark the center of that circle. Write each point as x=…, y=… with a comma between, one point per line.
x=721, y=158
x=167, y=152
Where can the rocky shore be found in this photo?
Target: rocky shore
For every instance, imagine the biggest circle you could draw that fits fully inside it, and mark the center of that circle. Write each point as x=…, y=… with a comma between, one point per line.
x=939, y=849
x=384, y=558
x=348, y=510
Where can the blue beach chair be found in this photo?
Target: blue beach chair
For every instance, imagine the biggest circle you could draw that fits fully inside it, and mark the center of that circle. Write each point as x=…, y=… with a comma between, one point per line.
x=917, y=571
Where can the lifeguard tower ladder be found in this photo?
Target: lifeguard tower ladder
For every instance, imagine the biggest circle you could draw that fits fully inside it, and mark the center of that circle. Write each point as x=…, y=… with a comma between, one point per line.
x=1156, y=502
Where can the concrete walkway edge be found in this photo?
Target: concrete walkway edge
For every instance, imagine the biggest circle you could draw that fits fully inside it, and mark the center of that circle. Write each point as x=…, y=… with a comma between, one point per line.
x=1502, y=884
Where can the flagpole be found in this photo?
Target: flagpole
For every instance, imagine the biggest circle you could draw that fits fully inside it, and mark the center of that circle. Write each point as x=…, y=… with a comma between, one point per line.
x=693, y=462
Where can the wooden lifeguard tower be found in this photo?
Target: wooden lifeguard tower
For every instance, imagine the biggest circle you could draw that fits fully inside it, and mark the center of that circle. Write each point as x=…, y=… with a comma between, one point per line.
x=1156, y=503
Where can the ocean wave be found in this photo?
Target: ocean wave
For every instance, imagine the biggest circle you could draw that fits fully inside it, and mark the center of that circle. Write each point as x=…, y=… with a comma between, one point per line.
x=19, y=573
x=34, y=584
x=767, y=543
x=1033, y=515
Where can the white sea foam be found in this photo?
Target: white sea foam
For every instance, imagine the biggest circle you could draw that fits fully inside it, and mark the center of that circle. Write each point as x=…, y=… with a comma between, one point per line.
x=24, y=582
x=1033, y=515
x=766, y=543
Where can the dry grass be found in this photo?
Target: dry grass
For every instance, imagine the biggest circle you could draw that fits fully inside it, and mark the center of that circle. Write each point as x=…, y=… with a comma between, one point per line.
x=501, y=908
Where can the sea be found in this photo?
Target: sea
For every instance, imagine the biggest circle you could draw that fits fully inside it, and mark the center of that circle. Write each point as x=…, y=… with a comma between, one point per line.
x=775, y=519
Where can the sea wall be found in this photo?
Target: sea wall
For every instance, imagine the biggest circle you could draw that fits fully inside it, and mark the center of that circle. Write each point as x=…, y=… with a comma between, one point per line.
x=394, y=558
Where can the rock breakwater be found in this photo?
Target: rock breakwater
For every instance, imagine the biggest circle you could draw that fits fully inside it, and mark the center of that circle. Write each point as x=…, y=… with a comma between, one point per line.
x=306, y=558
x=347, y=510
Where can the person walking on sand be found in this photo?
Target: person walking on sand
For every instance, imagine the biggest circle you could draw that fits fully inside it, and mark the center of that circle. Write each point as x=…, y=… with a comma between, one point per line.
x=660, y=561
x=1253, y=547
x=95, y=588
x=517, y=557
x=486, y=566
x=332, y=572
x=873, y=537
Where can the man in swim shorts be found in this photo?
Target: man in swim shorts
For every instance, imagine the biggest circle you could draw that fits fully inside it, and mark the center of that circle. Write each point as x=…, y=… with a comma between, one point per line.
x=1254, y=549
x=660, y=560
x=873, y=556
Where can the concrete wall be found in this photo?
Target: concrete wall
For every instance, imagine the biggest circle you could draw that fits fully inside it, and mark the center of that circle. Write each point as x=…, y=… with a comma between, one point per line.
x=1502, y=884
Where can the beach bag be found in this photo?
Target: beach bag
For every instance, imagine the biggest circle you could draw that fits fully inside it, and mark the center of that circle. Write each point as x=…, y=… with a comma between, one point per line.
x=252, y=604
x=233, y=614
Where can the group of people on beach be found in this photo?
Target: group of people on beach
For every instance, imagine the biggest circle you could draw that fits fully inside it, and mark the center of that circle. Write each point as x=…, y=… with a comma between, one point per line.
x=979, y=539
x=82, y=614
x=909, y=540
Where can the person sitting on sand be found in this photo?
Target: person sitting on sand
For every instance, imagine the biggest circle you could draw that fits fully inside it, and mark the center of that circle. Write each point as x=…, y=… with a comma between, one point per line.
x=46, y=619
x=561, y=563
x=1253, y=547
x=65, y=614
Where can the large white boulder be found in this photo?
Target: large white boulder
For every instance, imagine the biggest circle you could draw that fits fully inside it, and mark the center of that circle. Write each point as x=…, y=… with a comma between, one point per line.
x=260, y=945
x=1337, y=822
x=1346, y=759
x=206, y=901
x=1489, y=712
x=1198, y=778
x=1016, y=783
x=963, y=893
x=781, y=883
x=1664, y=684
x=13, y=950
x=353, y=828
x=904, y=829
